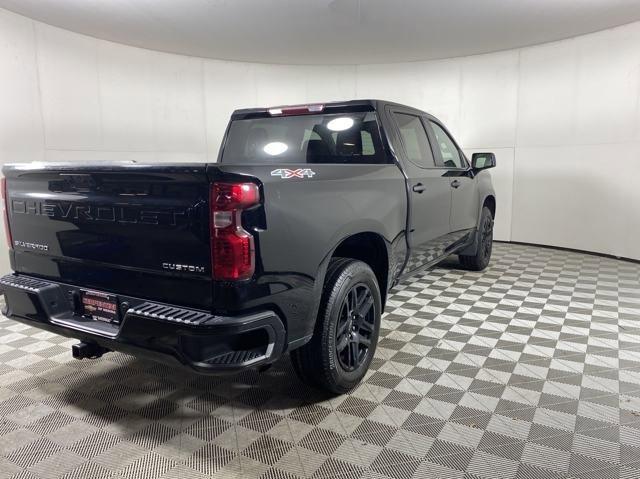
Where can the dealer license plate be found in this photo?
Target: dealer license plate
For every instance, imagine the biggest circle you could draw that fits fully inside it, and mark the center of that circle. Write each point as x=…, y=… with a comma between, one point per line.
x=100, y=306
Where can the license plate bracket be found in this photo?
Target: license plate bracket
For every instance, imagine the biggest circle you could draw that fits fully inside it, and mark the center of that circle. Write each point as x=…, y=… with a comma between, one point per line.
x=99, y=306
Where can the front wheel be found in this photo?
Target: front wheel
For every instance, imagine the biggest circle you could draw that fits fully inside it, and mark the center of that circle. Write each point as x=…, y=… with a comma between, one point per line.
x=344, y=342
x=480, y=260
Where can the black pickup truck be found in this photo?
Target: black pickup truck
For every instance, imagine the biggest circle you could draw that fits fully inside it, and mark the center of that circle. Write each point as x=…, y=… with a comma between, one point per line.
x=290, y=242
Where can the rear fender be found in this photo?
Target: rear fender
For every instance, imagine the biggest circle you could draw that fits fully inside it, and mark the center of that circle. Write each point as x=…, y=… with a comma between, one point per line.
x=339, y=238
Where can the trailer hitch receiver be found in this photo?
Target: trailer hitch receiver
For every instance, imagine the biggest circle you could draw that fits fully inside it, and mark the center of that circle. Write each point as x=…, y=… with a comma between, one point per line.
x=84, y=350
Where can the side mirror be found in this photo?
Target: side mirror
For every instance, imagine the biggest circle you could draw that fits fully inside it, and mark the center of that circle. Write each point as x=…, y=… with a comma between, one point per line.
x=482, y=161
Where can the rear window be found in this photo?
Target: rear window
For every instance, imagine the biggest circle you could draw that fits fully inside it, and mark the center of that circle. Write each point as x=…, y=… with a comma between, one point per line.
x=328, y=138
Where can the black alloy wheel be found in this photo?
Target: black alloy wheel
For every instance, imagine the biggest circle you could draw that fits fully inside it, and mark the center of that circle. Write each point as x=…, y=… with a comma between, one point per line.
x=355, y=327
x=487, y=236
x=344, y=341
x=484, y=246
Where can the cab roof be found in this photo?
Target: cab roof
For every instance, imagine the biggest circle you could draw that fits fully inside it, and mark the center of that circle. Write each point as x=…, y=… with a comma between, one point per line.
x=319, y=107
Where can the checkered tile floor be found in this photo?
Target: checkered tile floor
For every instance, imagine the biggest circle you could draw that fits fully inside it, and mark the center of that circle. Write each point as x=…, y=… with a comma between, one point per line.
x=530, y=369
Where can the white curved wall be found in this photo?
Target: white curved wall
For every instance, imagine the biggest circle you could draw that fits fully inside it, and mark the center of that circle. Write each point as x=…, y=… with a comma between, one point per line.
x=563, y=118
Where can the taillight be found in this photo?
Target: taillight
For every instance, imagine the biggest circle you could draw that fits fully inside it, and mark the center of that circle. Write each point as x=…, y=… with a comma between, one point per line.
x=5, y=211
x=232, y=248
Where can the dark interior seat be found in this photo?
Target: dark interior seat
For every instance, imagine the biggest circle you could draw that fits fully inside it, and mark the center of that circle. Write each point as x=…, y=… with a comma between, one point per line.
x=317, y=151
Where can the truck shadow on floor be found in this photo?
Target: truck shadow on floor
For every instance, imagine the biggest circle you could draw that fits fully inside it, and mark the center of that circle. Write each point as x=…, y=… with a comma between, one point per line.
x=135, y=398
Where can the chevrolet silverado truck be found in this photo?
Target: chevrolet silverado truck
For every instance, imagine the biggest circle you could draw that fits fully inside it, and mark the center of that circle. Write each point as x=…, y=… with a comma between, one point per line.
x=290, y=242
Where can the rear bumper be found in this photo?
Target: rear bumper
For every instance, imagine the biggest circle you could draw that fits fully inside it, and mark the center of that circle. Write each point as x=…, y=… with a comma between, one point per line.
x=204, y=342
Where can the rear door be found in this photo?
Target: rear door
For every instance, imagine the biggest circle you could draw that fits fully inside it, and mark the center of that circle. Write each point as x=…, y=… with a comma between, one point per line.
x=429, y=191
x=137, y=229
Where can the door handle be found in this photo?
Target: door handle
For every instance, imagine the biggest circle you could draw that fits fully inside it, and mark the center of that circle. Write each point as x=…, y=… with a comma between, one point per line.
x=455, y=183
x=419, y=188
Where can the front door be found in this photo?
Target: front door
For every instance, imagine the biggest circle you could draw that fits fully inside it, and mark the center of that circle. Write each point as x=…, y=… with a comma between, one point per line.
x=464, y=201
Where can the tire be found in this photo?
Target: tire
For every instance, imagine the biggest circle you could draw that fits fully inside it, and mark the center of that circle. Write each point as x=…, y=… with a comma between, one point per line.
x=481, y=259
x=326, y=362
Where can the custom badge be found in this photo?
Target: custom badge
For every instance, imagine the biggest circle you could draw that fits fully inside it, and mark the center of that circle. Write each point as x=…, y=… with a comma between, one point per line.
x=298, y=173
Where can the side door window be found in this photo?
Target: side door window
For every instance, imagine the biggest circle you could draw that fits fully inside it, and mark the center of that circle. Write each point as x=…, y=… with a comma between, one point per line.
x=449, y=154
x=415, y=140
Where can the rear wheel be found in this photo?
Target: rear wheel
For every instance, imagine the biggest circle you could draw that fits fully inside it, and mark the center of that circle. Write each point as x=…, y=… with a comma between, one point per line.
x=481, y=259
x=344, y=342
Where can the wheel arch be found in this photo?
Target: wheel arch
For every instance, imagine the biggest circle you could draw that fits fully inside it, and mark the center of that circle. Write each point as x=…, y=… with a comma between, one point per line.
x=489, y=202
x=372, y=249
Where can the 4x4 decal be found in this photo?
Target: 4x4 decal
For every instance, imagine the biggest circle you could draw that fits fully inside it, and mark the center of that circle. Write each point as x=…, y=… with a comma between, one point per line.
x=298, y=173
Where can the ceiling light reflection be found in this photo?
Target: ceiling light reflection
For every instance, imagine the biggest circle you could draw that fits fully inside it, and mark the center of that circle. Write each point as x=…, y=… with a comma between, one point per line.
x=340, y=124
x=275, y=148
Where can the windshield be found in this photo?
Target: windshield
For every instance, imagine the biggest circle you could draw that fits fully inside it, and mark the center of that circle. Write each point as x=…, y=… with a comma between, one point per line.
x=328, y=138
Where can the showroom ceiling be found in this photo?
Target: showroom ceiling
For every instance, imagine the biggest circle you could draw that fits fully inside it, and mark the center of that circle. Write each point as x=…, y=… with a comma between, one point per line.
x=330, y=31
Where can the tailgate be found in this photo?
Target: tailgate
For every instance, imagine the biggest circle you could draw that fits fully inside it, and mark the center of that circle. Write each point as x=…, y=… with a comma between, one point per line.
x=137, y=229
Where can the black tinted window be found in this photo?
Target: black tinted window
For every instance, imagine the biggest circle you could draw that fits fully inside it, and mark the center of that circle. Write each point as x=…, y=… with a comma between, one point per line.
x=415, y=140
x=328, y=138
x=451, y=157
